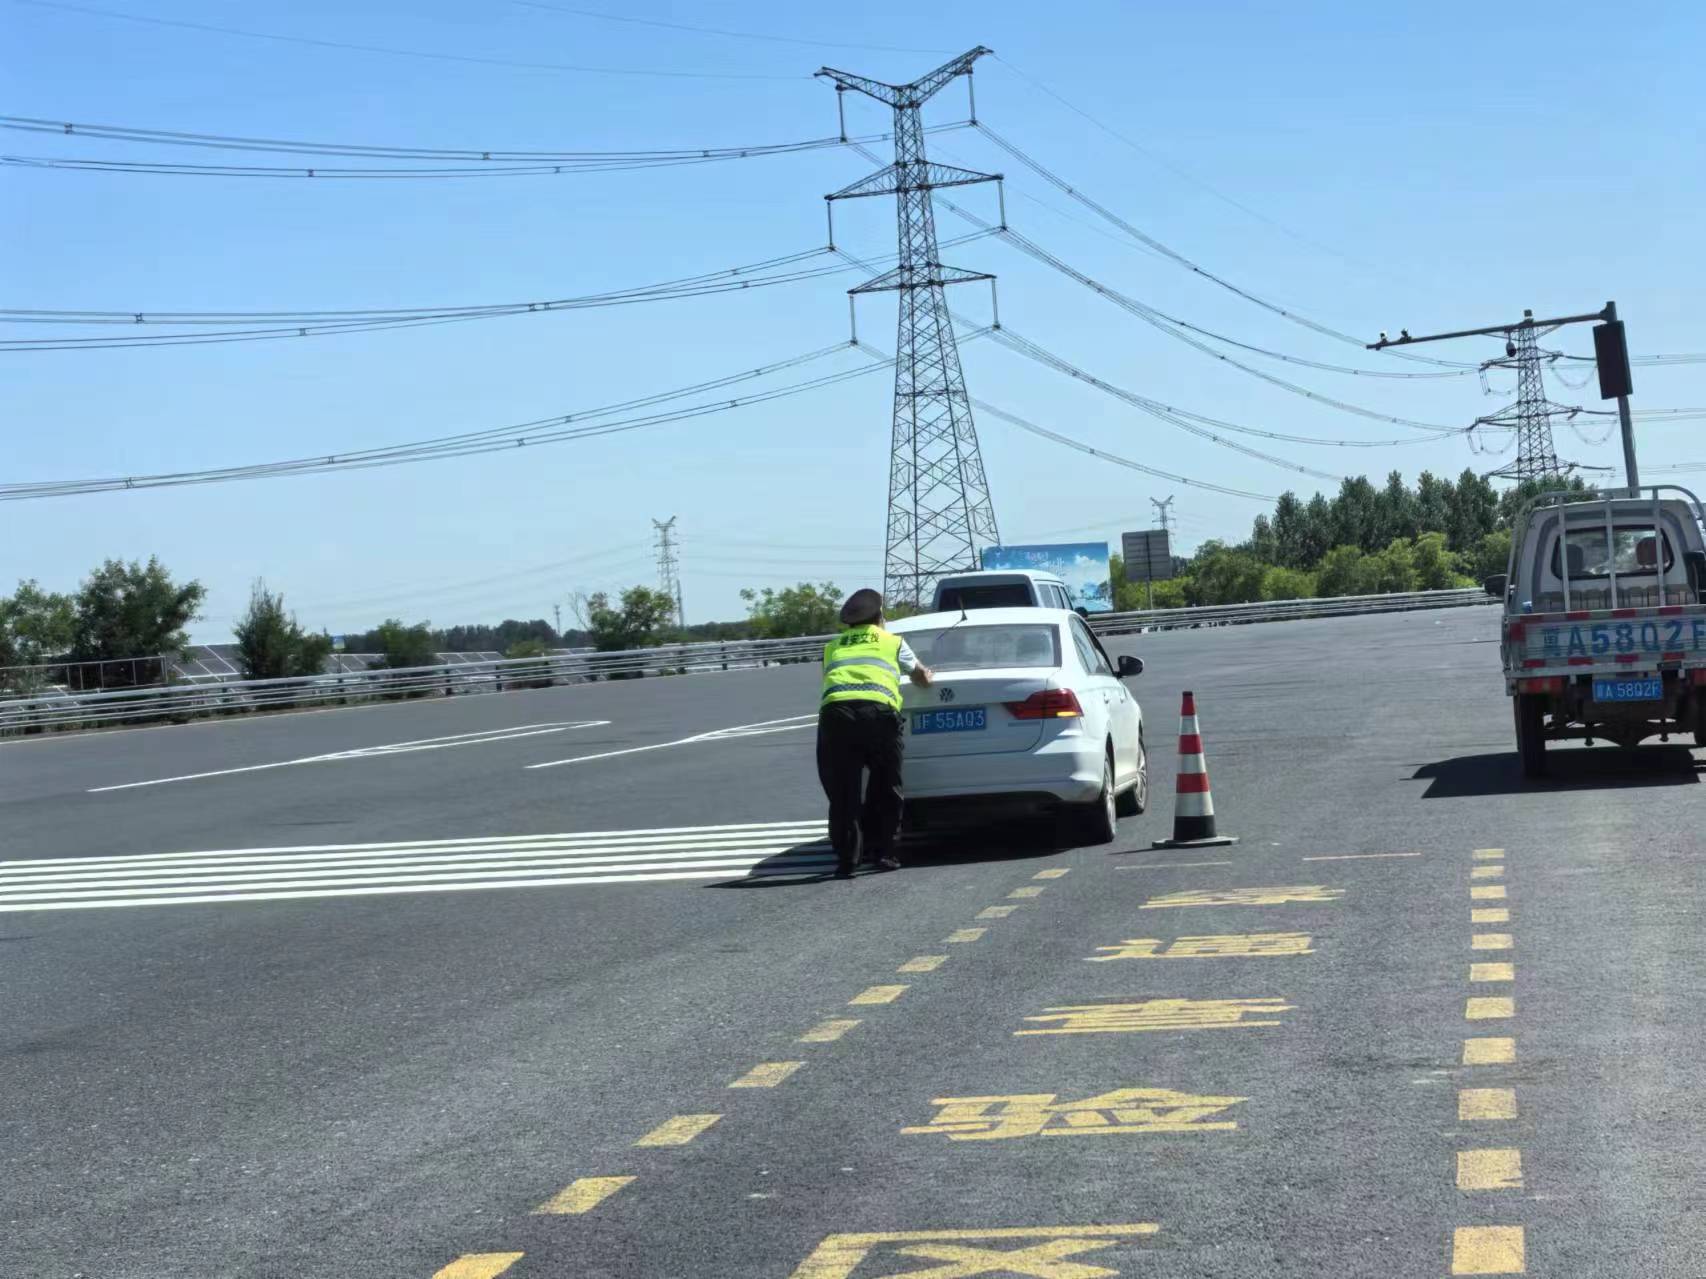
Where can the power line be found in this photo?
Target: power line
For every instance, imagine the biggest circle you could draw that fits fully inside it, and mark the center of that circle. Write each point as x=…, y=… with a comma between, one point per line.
x=391, y=51
x=719, y=31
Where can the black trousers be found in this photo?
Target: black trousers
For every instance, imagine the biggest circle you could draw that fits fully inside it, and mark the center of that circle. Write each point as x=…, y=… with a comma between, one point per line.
x=853, y=738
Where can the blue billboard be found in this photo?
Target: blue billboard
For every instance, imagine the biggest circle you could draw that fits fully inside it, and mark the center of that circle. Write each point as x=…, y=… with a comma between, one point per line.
x=1083, y=566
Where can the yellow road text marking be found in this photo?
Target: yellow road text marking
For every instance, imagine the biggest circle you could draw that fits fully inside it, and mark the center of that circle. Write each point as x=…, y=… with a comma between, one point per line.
x=1489, y=1007
x=877, y=995
x=479, y=1265
x=1492, y=972
x=1490, y=915
x=1056, y=873
x=1488, y=854
x=581, y=1195
x=1489, y=1170
x=996, y=912
x=1487, y=892
x=767, y=1074
x=1486, y=1103
x=1248, y=896
x=1489, y=1052
x=1488, y=1250
x=922, y=964
x=1131, y=1110
x=1033, y=891
x=838, y=1256
x=965, y=934
x=1358, y=857
x=1159, y=1014
x=826, y=1032
x=678, y=1131
x=1219, y=946
x=1491, y=941
x=1487, y=872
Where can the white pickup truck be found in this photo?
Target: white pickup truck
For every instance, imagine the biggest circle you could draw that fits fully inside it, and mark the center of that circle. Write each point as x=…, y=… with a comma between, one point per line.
x=1604, y=628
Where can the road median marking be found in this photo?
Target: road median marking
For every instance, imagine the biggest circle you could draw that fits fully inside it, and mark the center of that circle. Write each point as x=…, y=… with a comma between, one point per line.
x=1026, y=892
x=1491, y=941
x=581, y=1195
x=1055, y=873
x=1487, y=892
x=1492, y=972
x=1490, y=915
x=996, y=912
x=1488, y=854
x=1358, y=857
x=1489, y=1007
x=1486, y=872
x=678, y=1131
x=1489, y=1052
x=964, y=935
x=1489, y=1170
x=767, y=1074
x=1488, y=1250
x=1172, y=865
x=1486, y=1103
x=826, y=1032
x=923, y=964
x=878, y=995
x=479, y=1265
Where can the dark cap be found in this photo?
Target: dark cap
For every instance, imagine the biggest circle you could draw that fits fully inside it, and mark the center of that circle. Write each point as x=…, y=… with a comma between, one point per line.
x=862, y=607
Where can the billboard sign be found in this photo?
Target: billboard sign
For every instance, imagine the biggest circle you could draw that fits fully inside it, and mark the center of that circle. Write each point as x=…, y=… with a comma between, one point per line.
x=1148, y=556
x=1083, y=566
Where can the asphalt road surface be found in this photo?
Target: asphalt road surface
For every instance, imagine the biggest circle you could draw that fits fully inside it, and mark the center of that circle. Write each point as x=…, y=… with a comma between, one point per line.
x=367, y=993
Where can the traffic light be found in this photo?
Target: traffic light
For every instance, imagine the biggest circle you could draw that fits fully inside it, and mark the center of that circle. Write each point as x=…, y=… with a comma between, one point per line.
x=1611, y=352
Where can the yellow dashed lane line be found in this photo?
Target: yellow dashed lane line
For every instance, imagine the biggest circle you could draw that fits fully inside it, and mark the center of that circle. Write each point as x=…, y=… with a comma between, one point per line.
x=826, y=1032
x=996, y=912
x=581, y=1195
x=1489, y=1052
x=964, y=934
x=922, y=964
x=767, y=1074
x=1489, y=1170
x=1486, y=1103
x=1488, y=1250
x=678, y=1131
x=478, y=1265
x=878, y=995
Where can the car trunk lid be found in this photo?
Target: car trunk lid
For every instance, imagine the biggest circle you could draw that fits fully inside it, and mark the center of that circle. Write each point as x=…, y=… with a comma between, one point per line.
x=954, y=697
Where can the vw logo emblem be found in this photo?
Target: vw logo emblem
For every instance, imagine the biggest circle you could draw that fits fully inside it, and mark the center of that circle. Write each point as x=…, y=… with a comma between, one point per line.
x=947, y=694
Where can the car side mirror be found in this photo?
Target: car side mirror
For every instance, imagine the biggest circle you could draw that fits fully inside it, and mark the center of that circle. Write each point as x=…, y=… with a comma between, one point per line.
x=1495, y=585
x=1082, y=612
x=1129, y=666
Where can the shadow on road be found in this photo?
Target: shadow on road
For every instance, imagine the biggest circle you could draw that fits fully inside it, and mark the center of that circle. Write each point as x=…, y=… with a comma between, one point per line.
x=812, y=863
x=1583, y=768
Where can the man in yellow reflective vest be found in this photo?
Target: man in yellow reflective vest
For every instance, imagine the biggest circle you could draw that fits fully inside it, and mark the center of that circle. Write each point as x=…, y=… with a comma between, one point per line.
x=859, y=729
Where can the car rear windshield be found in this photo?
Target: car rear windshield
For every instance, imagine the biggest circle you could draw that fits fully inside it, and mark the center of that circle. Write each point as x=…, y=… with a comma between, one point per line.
x=966, y=646
x=1003, y=595
x=1631, y=553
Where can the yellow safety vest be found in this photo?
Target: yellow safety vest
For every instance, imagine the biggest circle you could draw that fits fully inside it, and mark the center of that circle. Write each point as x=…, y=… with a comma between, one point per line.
x=862, y=664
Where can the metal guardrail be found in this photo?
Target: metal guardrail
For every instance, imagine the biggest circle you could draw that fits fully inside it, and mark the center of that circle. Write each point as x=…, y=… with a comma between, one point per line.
x=183, y=702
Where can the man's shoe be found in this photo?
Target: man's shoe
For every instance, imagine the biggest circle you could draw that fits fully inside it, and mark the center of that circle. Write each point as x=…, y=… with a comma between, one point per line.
x=887, y=863
x=844, y=872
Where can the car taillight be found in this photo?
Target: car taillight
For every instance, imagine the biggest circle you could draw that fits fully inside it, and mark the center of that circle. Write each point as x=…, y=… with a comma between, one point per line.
x=1050, y=703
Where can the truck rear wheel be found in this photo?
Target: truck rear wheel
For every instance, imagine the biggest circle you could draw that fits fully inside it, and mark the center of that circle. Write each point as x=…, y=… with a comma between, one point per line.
x=1530, y=713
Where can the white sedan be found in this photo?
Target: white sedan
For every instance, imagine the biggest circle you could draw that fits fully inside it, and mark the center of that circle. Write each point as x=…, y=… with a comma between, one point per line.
x=1026, y=712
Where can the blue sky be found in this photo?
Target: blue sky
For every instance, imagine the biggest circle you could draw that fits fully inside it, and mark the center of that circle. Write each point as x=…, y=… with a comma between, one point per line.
x=1427, y=170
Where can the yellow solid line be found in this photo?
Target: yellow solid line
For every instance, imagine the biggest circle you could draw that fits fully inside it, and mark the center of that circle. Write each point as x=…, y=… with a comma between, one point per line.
x=828, y=1031
x=923, y=964
x=965, y=934
x=478, y=1265
x=1490, y=915
x=1492, y=972
x=678, y=1131
x=1488, y=854
x=1034, y=891
x=581, y=1195
x=877, y=995
x=1490, y=941
x=1357, y=857
x=1489, y=1007
x=1486, y=872
x=1488, y=1250
x=1486, y=1103
x=1489, y=1170
x=767, y=1074
x=1487, y=892
x=1056, y=873
x=1489, y=1052
x=996, y=912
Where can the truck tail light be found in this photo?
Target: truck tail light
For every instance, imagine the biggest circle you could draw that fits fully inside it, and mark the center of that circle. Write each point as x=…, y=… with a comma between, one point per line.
x=1542, y=684
x=1697, y=676
x=1049, y=703
x=1515, y=631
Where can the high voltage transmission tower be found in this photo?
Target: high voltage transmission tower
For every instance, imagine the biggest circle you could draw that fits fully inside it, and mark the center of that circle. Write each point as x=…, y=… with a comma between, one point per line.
x=669, y=574
x=1531, y=415
x=939, y=507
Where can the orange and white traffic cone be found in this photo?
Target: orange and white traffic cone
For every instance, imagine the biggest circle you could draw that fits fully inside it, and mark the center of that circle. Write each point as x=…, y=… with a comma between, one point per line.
x=1193, y=804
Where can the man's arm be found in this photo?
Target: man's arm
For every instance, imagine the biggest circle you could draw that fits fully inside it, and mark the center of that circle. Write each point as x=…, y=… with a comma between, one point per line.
x=910, y=666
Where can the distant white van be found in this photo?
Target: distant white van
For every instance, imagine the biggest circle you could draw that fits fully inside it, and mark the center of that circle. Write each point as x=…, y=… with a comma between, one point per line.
x=1000, y=588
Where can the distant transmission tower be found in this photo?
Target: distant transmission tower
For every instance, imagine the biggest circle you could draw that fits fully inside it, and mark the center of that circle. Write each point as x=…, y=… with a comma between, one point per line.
x=939, y=505
x=1531, y=415
x=1163, y=513
x=669, y=574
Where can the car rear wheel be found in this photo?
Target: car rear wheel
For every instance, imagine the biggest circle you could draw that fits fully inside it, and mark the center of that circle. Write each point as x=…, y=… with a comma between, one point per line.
x=1097, y=821
x=1133, y=801
x=1531, y=734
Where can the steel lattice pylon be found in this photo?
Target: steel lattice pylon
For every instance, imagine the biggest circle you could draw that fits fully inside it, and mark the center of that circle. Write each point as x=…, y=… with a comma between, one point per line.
x=1531, y=415
x=939, y=505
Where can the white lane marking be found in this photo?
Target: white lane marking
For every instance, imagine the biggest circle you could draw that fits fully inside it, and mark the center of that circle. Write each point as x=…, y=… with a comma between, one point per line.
x=1358, y=857
x=656, y=834
x=720, y=734
x=366, y=752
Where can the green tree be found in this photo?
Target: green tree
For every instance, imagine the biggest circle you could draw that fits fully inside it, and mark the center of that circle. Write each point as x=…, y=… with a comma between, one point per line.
x=132, y=610
x=1173, y=592
x=36, y=626
x=1287, y=584
x=1343, y=572
x=1433, y=503
x=1224, y=575
x=1394, y=568
x=1397, y=509
x=1492, y=554
x=1474, y=511
x=270, y=642
x=1438, y=568
x=794, y=610
x=637, y=622
x=400, y=646
x=1316, y=531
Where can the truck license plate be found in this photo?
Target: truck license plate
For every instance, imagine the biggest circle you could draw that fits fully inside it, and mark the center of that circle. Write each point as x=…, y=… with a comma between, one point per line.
x=971, y=719
x=1646, y=688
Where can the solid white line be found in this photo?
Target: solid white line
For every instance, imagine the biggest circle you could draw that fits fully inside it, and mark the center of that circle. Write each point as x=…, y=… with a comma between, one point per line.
x=236, y=872
x=389, y=889
x=729, y=862
x=480, y=738
x=777, y=830
x=735, y=730
x=1357, y=857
